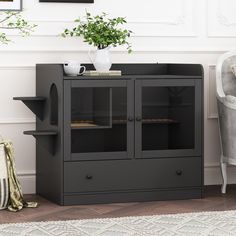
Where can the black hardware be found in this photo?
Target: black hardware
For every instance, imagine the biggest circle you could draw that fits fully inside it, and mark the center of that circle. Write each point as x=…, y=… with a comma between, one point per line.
x=130, y=118
x=179, y=172
x=89, y=176
x=138, y=118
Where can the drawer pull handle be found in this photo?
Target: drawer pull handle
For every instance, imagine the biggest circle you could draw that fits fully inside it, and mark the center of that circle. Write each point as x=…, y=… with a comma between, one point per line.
x=89, y=176
x=130, y=118
x=179, y=172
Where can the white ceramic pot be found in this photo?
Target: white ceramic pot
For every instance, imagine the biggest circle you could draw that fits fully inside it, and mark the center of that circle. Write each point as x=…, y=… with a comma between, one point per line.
x=102, y=61
x=4, y=185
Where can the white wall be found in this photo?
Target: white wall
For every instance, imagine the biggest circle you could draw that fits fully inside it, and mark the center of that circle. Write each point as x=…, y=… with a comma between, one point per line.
x=165, y=31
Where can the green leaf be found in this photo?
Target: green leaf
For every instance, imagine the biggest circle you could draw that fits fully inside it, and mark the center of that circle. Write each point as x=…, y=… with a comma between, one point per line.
x=14, y=20
x=100, y=31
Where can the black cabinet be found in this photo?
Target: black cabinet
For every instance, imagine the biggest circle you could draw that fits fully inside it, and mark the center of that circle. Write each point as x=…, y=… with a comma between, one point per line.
x=135, y=137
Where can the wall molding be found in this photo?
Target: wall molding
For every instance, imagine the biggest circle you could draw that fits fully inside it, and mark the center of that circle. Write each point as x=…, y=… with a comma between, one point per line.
x=28, y=183
x=167, y=50
x=220, y=25
x=17, y=67
x=174, y=20
x=212, y=175
x=222, y=18
x=179, y=21
x=26, y=173
x=17, y=120
x=216, y=164
x=211, y=94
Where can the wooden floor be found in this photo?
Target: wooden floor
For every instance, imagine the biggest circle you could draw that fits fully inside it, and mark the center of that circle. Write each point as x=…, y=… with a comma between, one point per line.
x=213, y=201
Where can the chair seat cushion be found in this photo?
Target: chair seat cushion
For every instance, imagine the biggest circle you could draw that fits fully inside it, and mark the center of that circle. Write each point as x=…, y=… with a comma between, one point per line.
x=231, y=99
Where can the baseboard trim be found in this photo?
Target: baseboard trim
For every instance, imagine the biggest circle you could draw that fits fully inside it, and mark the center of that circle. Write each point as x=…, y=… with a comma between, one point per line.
x=27, y=182
x=213, y=174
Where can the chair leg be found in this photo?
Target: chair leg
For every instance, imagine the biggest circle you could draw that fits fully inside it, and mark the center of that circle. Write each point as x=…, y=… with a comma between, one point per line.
x=224, y=175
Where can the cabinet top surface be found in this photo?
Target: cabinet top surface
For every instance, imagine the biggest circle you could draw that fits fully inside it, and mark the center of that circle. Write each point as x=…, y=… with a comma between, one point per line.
x=125, y=77
x=139, y=71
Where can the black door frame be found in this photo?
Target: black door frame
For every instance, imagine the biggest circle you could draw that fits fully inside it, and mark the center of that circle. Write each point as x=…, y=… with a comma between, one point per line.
x=68, y=85
x=139, y=153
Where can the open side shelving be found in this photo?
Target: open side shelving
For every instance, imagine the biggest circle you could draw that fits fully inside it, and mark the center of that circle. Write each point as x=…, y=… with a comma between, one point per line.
x=46, y=138
x=35, y=104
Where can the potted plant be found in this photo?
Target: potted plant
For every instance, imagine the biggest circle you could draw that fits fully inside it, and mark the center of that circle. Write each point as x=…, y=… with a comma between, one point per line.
x=11, y=20
x=101, y=32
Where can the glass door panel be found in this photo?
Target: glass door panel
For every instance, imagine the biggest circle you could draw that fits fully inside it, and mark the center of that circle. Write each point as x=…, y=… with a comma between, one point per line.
x=168, y=118
x=97, y=120
x=168, y=121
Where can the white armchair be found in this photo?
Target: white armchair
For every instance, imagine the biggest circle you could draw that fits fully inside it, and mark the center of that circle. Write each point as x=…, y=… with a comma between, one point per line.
x=226, y=104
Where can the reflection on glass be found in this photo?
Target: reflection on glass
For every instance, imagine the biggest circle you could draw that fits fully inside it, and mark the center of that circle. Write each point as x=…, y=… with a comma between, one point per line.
x=167, y=118
x=98, y=120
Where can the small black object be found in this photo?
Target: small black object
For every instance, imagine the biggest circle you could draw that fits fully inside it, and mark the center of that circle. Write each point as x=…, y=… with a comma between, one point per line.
x=130, y=118
x=138, y=118
x=179, y=172
x=89, y=176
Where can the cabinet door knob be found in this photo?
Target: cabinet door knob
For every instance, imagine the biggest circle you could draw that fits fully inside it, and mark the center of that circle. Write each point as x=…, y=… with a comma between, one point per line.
x=138, y=118
x=89, y=176
x=179, y=172
x=130, y=118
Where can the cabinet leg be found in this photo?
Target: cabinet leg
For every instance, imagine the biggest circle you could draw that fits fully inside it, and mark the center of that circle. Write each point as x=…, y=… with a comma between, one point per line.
x=224, y=175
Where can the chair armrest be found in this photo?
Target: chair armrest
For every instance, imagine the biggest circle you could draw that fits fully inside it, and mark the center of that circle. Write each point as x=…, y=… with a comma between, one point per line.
x=229, y=101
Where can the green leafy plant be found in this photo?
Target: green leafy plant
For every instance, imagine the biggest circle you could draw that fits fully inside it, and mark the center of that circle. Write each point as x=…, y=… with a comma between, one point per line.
x=101, y=31
x=10, y=20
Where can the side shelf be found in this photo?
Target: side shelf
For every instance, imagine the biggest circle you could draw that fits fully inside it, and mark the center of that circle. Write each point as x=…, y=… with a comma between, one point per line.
x=35, y=104
x=46, y=138
x=36, y=133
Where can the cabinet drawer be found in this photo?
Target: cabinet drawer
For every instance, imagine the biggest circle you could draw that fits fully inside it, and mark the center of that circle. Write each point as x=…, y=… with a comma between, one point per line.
x=132, y=174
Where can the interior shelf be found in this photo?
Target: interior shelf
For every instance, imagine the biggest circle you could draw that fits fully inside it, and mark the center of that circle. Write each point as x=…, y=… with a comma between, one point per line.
x=91, y=125
x=88, y=125
x=35, y=104
x=46, y=138
x=150, y=121
x=166, y=105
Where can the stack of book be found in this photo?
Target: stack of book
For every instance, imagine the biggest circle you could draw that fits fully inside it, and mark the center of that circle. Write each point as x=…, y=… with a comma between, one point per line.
x=96, y=73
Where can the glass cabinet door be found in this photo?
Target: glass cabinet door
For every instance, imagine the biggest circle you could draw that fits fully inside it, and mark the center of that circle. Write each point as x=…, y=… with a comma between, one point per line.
x=97, y=125
x=168, y=121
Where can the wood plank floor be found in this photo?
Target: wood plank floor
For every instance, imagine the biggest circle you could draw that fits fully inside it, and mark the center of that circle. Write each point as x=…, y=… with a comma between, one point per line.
x=212, y=201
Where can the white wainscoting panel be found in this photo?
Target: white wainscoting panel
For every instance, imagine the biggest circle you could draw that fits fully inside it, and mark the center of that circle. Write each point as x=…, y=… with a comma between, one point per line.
x=24, y=152
x=154, y=18
x=16, y=81
x=221, y=18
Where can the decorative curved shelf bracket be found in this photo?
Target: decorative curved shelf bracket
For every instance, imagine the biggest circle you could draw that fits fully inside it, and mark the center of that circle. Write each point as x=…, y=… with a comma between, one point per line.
x=35, y=104
x=46, y=138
